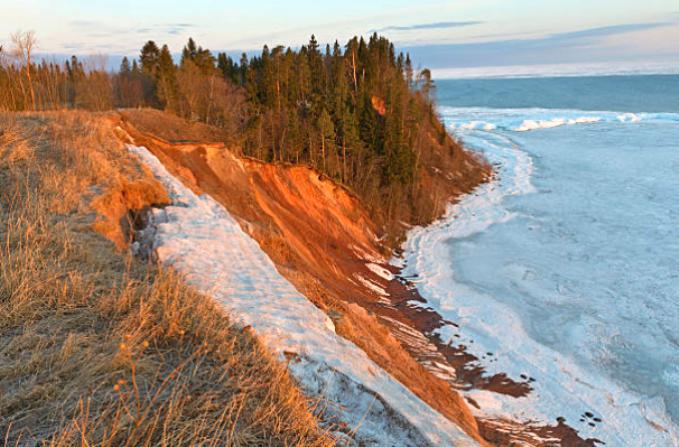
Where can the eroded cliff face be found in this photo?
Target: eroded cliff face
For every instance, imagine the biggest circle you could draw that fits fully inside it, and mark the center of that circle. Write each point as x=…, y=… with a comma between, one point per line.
x=325, y=242
x=322, y=240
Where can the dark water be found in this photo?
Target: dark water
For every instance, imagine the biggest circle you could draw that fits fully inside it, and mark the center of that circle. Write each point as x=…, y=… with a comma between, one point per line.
x=647, y=93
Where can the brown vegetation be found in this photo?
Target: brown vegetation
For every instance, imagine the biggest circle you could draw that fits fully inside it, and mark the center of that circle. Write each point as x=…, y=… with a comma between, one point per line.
x=97, y=349
x=119, y=205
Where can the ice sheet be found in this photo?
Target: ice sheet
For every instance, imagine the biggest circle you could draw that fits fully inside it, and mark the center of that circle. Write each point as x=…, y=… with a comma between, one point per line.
x=564, y=268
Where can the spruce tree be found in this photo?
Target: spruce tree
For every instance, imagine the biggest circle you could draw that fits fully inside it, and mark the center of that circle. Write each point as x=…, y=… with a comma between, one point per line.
x=190, y=51
x=326, y=129
x=125, y=66
x=167, y=80
x=149, y=57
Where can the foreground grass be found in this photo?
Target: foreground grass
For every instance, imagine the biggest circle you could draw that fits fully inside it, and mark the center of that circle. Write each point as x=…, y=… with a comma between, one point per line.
x=97, y=349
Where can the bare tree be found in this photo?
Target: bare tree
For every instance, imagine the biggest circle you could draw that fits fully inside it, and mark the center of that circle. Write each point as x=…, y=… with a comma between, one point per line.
x=24, y=44
x=95, y=62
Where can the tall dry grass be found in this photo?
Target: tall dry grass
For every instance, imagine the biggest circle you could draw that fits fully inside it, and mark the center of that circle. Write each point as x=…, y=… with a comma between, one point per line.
x=97, y=349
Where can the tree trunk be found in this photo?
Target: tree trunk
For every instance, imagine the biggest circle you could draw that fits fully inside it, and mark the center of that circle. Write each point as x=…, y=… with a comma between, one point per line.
x=28, y=75
x=344, y=160
x=323, y=150
x=210, y=99
x=353, y=66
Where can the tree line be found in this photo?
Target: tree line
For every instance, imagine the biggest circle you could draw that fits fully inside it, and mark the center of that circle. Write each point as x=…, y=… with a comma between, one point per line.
x=360, y=113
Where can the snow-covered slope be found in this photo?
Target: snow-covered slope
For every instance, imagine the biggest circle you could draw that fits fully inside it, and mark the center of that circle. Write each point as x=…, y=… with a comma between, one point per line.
x=202, y=241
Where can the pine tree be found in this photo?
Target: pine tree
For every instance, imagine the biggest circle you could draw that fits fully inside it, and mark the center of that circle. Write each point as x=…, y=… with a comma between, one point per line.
x=125, y=66
x=199, y=56
x=318, y=75
x=228, y=68
x=167, y=80
x=326, y=130
x=190, y=51
x=243, y=68
x=149, y=58
x=409, y=70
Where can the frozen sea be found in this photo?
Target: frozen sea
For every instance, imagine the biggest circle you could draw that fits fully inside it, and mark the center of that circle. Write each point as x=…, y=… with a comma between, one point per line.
x=566, y=266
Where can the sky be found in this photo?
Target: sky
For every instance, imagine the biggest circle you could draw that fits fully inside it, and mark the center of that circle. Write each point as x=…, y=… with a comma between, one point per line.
x=447, y=36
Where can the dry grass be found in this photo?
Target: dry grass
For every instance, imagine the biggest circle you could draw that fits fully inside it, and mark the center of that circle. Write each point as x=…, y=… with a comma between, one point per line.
x=97, y=349
x=173, y=128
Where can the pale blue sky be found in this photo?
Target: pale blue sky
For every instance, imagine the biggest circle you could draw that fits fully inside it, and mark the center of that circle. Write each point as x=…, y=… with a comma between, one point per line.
x=441, y=34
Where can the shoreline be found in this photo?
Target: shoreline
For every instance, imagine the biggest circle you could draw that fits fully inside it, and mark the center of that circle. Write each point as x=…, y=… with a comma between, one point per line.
x=330, y=263
x=473, y=372
x=497, y=329
x=363, y=294
x=386, y=299
x=325, y=364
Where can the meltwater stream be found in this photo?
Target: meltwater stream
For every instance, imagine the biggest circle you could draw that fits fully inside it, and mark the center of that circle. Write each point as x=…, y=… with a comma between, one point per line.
x=565, y=268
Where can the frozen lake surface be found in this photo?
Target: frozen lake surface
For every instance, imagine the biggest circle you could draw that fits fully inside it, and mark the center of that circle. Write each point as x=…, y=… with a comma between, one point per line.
x=566, y=267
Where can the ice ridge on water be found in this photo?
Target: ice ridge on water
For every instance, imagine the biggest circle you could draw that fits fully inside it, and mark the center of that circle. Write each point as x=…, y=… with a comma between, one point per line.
x=524, y=120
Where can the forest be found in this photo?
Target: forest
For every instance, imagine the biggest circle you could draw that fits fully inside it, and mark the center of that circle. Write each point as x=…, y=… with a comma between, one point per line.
x=359, y=113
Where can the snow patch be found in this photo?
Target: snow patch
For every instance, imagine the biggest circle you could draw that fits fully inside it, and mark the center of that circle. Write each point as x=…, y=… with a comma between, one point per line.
x=371, y=285
x=370, y=257
x=380, y=271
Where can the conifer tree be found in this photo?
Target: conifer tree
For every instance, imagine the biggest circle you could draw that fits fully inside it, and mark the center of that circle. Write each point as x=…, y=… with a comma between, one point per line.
x=149, y=57
x=190, y=51
x=125, y=68
x=409, y=70
x=326, y=130
x=243, y=68
x=167, y=80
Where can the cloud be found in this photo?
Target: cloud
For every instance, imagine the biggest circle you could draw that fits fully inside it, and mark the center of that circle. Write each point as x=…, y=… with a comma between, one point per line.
x=568, y=47
x=73, y=46
x=83, y=23
x=422, y=26
x=103, y=30
x=93, y=36
x=607, y=31
x=177, y=28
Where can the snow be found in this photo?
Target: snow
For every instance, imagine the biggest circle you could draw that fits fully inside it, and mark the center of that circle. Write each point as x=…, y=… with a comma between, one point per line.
x=198, y=238
x=372, y=258
x=528, y=125
x=573, y=283
x=380, y=271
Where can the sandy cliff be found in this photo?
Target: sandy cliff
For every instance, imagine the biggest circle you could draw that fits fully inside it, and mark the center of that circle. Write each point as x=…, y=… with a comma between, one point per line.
x=322, y=240
x=326, y=243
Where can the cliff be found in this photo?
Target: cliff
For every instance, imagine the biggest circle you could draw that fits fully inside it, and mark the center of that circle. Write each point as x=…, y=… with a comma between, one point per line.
x=324, y=241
